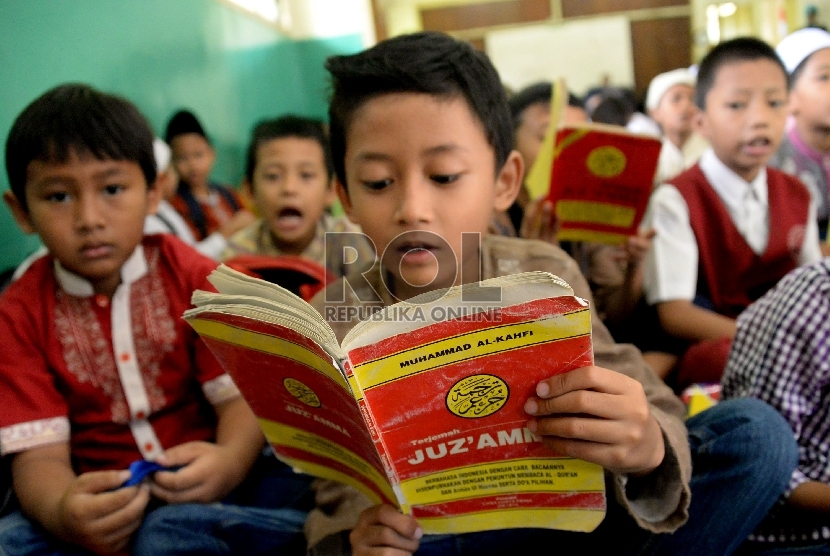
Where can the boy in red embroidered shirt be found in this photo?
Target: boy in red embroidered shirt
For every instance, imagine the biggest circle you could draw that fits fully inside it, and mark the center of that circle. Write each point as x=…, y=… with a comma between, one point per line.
x=97, y=367
x=728, y=228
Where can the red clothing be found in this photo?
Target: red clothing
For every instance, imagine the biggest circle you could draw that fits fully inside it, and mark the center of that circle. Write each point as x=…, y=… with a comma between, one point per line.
x=108, y=374
x=214, y=214
x=730, y=274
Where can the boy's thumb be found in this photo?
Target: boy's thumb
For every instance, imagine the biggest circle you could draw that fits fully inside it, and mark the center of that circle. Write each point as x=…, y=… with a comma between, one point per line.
x=101, y=481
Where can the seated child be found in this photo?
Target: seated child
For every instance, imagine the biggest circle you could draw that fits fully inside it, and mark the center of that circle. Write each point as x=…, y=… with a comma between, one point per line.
x=530, y=108
x=670, y=102
x=715, y=250
x=289, y=174
x=97, y=368
x=167, y=220
x=207, y=207
x=421, y=142
x=781, y=354
x=805, y=148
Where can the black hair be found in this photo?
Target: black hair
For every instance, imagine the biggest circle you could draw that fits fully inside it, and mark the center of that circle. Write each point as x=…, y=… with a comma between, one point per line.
x=77, y=118
x=742, y=49
x=283, y=127
x=613, y=110
x=182, y=122
x=534, y=94
x=426, y=62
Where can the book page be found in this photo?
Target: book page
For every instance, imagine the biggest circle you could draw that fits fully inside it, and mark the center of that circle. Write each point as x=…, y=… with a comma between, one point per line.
x=446, y=406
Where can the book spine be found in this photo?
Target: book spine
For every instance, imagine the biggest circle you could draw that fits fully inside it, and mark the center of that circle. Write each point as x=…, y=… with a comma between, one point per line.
x=366, y=413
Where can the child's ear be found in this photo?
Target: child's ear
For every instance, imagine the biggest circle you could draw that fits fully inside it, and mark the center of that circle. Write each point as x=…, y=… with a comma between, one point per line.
x=509, y=181
x=345, y=202
x=700, y=123
x=153, y=197
x=18, y=212
x=332, y=193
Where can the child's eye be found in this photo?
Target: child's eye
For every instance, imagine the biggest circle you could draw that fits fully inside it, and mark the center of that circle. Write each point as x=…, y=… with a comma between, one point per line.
x=735, y=105
x=113, y=189
x=776, y=103
x=57, y=197
x=444, y=179
x=377, y=185
x=308, y=176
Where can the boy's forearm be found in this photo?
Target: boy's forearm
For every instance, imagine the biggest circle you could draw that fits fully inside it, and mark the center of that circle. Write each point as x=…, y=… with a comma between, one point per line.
x=41, y=477
x=683, y=319
x=238, y=431
x=812, y=496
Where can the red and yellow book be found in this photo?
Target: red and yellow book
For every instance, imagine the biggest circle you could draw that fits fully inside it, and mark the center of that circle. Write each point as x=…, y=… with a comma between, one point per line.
x=598, y=177
x=422, y=405
x=601, y=180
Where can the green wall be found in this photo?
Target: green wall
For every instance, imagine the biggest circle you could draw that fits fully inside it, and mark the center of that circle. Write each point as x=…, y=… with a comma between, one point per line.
x=230, y=69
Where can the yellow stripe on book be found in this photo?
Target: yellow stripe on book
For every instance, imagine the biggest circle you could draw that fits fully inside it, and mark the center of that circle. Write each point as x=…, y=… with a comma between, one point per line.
x=472, y=345
x=572, y=138
x=576, y=234
x=267, y=343
x=598, y=213
x=548, y=518
x=323, y=472
x=505, y=477
x=282, y=435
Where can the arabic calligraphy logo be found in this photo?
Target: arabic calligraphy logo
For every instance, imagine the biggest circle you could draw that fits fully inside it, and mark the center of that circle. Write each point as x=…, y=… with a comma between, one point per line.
x=301, y=392
x=477, y=396
x=606, y=162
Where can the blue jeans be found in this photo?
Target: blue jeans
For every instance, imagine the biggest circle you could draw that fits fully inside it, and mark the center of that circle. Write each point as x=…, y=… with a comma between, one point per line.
x=743, y=455
x=264, y=515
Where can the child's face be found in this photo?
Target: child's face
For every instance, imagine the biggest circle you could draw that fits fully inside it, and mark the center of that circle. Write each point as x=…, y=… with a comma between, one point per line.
x=88, y=212
x=745, y=114
x=810, y=96
x=291, y=188
x=418, y=163
x=193, y=158
x=531, y=132
x=676, y=110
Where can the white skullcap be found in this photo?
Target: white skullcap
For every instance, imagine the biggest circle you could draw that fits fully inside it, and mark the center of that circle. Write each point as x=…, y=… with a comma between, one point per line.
x=665, y=81
x=163, y=155
x=795, y=47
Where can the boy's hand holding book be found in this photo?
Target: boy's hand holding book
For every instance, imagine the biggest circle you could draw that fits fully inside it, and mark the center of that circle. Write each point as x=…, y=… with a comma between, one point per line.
x=598, y=415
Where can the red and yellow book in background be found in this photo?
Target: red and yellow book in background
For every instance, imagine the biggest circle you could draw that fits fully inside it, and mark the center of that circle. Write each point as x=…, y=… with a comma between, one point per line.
x=598, y=177
x=421, y=406
x=601, y=180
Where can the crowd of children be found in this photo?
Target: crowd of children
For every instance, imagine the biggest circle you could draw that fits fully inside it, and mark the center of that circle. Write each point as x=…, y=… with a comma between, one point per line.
x=98, y=370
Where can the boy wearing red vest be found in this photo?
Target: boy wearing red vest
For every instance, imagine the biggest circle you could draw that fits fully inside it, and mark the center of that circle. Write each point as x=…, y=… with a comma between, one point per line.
x=729, y=227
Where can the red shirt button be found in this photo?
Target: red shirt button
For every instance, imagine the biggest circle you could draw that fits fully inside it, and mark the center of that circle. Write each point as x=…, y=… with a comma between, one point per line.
x=140, y=415
x=149, y=447
x=125, y=357
x=102, y=301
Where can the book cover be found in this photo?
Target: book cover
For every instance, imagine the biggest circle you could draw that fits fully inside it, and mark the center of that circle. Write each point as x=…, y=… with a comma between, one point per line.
x=425, y=414
x=600, y=181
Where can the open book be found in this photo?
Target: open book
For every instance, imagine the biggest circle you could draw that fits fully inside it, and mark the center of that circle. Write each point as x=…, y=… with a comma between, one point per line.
x=599, y=177
x=422, y=404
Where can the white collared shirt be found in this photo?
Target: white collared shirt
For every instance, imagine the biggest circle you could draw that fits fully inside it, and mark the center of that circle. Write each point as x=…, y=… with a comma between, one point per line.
x=672, y=263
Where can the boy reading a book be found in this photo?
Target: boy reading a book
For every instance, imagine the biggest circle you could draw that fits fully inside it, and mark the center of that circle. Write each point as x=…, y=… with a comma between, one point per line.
x=729, y=227
x=289, y=174
x=421, y=141
x=97, y=368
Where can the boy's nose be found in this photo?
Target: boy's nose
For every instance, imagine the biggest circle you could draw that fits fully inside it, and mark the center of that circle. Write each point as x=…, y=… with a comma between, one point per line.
x=414, y=203
x=88, y=214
